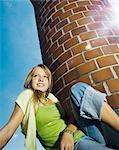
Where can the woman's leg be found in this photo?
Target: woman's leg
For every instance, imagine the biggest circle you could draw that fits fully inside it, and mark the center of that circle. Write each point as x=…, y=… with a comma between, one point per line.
x=87, y=143
x=90, y=127
x=109, y=116
x=91, y=102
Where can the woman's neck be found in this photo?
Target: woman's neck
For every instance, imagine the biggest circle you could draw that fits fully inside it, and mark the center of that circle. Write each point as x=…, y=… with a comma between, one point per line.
x=42, y=97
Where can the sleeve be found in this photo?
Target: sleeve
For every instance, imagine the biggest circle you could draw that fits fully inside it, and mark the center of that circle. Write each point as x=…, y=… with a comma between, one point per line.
x=23, y=99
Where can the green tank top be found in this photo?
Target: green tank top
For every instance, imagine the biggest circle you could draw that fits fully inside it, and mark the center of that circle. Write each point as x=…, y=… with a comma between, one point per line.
x=49, y=125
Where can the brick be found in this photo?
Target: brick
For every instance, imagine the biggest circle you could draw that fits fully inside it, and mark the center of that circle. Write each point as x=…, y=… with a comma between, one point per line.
x=87, y=68
x=53, y=47
x=84, y=21
x=99, y=18
x=61, y=5
x=70, y=26
x=75, y=17
x=113, y=85
x=70, y=6
x=64, y=93
x=106, y=61
x=54, y=66
x=56, y=14
x=79, y=48
x=58, y=52
x=88, y=35
x=78, y=9
x=113, y=100
x=64, y=57
x=47, y=23
x=65, y=15
x=93, y=54
x=48, y=4
x=64, y=38
x=75, y=61
x=60, y=72
x=43, y=43
x=96, y=2
x=52, y=31
x=58, y=86
x=98, y=42
x=57, y=35
x=110, y=49
x=43, y=21
x=51, y=12
x=79, y=30
x=41, y=12
x=47, y=45
x=116, y=69
x=55, y=22
x=90, y=13
x=100, y=87
x=45, y=13
x=67, y=107
x=48, y=60
x=95, y=26
x=93, y=7
x=70, y=1
x=85, y=79
x=82, y=3
x=71, y=76
x=102, y=75
x=54, y=3
x=70, y=43
x=62, y=24
x=113, y=40
x=104, y=32
x=45, y=32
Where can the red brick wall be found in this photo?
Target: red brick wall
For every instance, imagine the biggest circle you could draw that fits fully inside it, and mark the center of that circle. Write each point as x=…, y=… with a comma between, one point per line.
x=78, y=43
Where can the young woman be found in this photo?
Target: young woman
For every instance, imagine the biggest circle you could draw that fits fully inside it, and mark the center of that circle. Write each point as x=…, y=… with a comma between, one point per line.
x=41, y=115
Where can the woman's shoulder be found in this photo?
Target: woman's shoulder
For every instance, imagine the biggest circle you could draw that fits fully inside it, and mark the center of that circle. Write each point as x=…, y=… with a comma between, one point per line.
x=24, y=98
x=52, y=98
x=26, y=92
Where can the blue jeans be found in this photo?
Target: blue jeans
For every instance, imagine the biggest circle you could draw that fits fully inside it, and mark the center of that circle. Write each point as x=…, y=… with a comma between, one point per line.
x=86, y=143
x=86, y=104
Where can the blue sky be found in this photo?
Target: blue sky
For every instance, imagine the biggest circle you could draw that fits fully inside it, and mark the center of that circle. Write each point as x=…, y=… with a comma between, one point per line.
x=19, y=51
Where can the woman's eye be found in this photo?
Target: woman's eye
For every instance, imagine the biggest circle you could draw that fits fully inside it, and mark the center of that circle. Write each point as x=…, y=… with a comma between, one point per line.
x=45, y=76
x=35, y=75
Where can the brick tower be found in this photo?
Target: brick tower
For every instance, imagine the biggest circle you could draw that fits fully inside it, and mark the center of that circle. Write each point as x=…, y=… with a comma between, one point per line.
x=79, y=43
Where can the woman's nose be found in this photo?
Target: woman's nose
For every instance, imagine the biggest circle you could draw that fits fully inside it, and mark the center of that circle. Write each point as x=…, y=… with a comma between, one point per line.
x=40, y=78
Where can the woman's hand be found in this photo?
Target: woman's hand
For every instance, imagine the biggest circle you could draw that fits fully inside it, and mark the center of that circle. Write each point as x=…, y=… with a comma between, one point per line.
x=67, y=141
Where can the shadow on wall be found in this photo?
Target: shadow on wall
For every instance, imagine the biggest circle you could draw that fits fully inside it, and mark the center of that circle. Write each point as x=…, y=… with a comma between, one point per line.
x=111, y=136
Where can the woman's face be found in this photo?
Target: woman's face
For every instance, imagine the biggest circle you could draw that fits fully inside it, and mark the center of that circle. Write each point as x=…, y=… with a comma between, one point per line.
x=40, y=80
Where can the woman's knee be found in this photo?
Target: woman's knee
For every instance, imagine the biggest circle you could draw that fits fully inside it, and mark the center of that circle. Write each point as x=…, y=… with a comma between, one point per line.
x=79, y=88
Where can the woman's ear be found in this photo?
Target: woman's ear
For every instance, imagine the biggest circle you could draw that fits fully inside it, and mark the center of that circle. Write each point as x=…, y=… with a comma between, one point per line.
x=29, y=85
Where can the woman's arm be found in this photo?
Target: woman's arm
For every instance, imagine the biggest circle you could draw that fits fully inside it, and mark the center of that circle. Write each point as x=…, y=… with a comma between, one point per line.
x=8, y=130
x=67, y=141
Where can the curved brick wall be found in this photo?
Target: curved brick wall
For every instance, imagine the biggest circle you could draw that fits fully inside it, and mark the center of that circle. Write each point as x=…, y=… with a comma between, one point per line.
x=78, y=43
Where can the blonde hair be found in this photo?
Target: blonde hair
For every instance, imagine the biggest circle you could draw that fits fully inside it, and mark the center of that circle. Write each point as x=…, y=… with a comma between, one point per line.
x=27, y=83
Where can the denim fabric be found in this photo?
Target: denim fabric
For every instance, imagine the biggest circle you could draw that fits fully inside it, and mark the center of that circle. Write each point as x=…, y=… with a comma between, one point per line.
x=88, y=99
x=87, y=143
x=86, y=104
